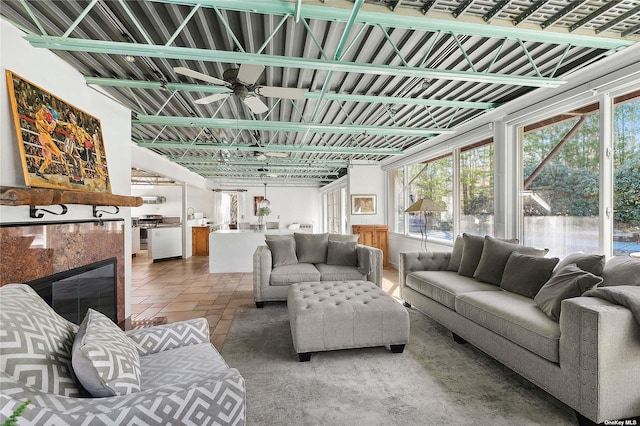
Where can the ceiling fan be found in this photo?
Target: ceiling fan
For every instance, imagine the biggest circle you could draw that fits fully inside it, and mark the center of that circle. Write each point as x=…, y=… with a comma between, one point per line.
x=242, y=82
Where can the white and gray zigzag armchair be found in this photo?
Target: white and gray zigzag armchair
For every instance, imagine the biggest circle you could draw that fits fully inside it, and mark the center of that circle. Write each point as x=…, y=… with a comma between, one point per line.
x=184, y=380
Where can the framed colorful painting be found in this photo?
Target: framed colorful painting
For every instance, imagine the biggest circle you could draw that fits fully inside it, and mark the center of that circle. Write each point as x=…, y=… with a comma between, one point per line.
x=61, y=146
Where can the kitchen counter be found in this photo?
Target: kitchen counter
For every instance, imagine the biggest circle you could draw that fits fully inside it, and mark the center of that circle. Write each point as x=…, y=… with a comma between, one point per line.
x=232, y=250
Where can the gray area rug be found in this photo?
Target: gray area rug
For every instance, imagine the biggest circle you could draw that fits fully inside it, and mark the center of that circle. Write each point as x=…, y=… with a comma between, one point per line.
x=434, y=382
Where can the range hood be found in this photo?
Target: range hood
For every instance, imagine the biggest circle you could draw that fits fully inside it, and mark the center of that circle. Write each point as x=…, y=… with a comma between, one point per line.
x=153, y=199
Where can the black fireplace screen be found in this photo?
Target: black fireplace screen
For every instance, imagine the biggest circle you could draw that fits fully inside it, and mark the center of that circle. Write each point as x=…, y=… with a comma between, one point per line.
x=71, y=293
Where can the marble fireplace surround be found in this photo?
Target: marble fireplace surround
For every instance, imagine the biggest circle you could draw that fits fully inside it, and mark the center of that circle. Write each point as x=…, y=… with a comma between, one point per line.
x=33, y=250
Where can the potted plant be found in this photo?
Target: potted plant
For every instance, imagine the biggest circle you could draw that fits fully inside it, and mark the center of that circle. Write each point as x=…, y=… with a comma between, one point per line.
x=262, y=212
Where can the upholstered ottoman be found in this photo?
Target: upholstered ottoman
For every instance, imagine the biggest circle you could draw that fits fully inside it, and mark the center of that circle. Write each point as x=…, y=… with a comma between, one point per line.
x=328, y=315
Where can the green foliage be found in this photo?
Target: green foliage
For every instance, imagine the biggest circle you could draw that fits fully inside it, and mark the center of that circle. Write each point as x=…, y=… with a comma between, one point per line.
x=13, y=419
x=264, y=211
x=627, y=191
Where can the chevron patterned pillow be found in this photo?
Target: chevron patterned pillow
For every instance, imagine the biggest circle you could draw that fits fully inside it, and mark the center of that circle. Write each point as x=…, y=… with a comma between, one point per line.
x=104, y=359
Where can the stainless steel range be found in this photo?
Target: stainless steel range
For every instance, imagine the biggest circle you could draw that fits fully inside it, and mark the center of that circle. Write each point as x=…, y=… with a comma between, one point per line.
x=149, y=220
x=145, y=222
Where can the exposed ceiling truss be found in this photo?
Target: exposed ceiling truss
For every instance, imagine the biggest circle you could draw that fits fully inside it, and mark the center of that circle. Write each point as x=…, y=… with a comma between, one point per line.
x=377, y=76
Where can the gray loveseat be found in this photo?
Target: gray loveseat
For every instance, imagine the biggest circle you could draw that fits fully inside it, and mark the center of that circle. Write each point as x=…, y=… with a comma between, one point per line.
x=589, y=358
x=183, y=379
x=300, y=257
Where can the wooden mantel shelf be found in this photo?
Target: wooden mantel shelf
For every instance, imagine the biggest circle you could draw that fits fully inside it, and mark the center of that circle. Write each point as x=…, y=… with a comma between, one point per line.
x=17, y=196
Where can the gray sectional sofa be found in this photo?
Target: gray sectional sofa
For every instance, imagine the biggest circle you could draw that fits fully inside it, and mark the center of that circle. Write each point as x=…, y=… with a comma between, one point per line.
x=589, y=357
x=300, y=257
x=96, y=374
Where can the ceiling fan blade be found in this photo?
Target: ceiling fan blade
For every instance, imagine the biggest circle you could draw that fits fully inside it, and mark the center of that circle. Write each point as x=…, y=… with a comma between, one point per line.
x=212, y=98
x=256, y=105
x=249, y=73
x=276, y=154
x=281, y=92
x=200, y=76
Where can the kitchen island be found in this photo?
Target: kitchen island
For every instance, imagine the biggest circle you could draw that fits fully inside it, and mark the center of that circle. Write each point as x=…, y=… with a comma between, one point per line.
x=232, y=250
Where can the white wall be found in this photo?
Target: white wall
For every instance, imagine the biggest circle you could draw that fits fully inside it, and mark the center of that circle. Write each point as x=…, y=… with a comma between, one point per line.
x=171, y=207
x=45, y=69
x=366, y=179
x=291, y=204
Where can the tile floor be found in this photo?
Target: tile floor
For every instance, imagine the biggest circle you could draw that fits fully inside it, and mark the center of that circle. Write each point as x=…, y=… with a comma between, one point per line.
x=182, y=289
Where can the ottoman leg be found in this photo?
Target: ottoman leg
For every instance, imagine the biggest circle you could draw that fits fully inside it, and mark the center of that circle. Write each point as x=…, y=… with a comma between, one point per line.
x=304, y=356
x=259, y=305
x=397, y=349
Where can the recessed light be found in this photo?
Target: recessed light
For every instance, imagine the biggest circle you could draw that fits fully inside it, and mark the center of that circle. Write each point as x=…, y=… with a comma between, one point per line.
x=130, y=58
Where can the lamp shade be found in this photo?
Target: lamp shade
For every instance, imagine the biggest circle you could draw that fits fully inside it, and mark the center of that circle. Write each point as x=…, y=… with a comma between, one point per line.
x=425, y=205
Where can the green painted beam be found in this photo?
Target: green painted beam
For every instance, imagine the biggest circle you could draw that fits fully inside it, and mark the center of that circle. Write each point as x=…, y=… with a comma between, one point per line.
x=155, y=85
x=260, y=168
x=278, y=172
x=173, y=52
x=269, y=162
x=140, y=84
x=271, y=148
x=339, y=10
x=285, y=126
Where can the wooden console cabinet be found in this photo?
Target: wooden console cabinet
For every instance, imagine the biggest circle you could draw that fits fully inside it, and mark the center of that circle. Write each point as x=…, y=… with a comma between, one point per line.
x=375, y=236
x=200, y=240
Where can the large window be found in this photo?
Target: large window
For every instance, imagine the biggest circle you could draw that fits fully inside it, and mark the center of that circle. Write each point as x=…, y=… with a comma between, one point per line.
x=560, y=159
x=562, y=178
x=626, y=190
x=432, y=180
x=476, y=189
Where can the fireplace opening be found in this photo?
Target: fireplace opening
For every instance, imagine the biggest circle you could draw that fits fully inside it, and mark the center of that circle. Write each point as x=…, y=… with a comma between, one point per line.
x=71, y=293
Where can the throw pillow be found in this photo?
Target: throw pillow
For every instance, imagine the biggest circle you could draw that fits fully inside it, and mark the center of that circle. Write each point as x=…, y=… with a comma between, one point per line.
x=104, y=359
x=344, y=238
x=593, y=263
x=495, y=254
x=342, y=253
x=283, y=251
x=456, y=254
x=621, y=270
x=471, y=252
x=311, y=248
x=566, y=282
x=525, y=274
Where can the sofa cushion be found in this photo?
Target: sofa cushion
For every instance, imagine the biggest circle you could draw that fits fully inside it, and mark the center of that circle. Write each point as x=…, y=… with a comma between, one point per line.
x=105, y=360
x=621, y=270
x=180, y=365
x=344, y=238
x=525, y=275
x=569, y=281
x=456, y=254
x=342, y=253
x=36, y=342
x=495, y=254
x=339, y=273
x=289, y=274
x=514, y=317
x=283, y=251
x=471, y=253
x=311, y=248
x=593, y=263
x=444, y=286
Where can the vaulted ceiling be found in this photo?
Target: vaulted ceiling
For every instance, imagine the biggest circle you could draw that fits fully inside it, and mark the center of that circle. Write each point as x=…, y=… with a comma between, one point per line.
x=342, y=80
